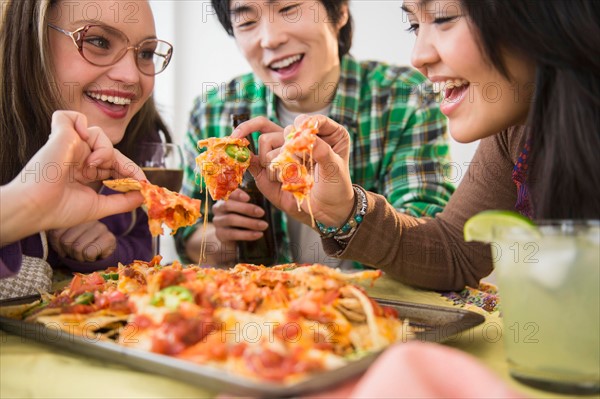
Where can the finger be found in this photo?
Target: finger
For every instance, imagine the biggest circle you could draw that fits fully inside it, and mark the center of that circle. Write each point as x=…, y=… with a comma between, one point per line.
x=267, y=142
x=72, y=248
x=288, y=129
x=239, y=195
x=54, y=239
x=102, y=149
x=91, y=243
x=116, y=203
x=239, y=221
x=125, y=167
x=329, y=130
x=266, y=180
x=242, y=208
x=72, y=234
x=218, y=207
x=270, y=156
x=92, y=173
x=81, y=124
x=90, y=251
x=75, y=251
x=322, y=152
x=69, y=121
x=75, y=239
x=65, y=138
x=106, y=245
x=106, y=158
x=108, y=249
x=237, y=235
x=92, y=239
x=258, y=124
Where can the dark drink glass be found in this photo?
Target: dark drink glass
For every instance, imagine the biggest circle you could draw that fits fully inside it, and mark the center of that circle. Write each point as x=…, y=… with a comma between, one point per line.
x=168, y=178
x=162, y=164
x=264, y=250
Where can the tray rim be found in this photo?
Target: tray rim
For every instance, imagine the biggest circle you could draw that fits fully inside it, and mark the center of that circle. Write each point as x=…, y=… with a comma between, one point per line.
x=213, y=378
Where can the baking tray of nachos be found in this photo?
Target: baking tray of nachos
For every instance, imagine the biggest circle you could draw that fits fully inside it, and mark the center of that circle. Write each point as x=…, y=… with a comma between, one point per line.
x=280, y=331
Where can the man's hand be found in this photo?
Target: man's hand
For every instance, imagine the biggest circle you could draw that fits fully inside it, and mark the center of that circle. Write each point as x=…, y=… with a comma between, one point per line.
x=331, y=197
x=237, y=220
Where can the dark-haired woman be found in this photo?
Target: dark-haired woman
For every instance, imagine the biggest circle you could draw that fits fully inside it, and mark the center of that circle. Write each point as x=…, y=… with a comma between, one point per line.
x=299, y=54
x=522, y=76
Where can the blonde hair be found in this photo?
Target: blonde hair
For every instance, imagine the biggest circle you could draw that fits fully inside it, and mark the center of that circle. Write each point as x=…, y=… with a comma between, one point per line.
x=29, y=94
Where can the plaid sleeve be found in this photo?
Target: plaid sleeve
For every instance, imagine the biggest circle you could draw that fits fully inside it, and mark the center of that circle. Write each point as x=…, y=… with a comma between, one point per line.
x=414, y=182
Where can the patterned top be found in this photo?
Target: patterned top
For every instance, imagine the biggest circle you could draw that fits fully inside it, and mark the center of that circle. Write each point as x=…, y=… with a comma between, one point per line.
x=486, y=295
x=519, y=176
x=399, y=143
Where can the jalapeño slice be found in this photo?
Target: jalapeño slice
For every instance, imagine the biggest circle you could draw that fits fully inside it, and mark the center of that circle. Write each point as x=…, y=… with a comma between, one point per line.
x=85, y=299
x=110, y=276
x=172, y=296
x=241, y=154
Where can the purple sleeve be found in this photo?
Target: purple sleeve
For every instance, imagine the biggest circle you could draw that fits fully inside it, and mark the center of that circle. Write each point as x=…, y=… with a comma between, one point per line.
x=135, y=244
x=10, y=259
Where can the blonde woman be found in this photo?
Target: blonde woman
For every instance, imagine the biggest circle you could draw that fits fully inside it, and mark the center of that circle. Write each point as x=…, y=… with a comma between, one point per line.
x=96, y=58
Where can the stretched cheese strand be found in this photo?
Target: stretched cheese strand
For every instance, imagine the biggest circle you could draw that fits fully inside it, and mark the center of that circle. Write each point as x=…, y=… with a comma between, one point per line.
x=204, y=227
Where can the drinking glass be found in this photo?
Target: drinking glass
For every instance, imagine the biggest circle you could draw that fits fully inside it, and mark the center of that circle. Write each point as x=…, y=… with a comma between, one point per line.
x=549, y=282
x=163, y=165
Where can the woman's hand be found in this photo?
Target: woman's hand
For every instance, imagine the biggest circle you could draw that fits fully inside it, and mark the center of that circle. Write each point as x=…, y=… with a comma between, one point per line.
x=52, y=189
x=331, y=197
x=86, y=242
x=83, y=155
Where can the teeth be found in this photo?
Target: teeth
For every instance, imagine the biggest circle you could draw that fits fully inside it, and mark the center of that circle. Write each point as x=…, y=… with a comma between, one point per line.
x=439, y=87
x=285, y=62
x=110, y=99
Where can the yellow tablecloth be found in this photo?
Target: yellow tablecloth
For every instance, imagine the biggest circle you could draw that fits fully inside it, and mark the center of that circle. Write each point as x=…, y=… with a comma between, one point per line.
x=32, y=370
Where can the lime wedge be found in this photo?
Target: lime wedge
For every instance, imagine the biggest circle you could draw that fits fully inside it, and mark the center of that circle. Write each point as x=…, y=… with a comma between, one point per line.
x=481, y=226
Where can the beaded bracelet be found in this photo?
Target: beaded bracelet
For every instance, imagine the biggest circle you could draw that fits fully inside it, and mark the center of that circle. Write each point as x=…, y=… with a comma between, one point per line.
x=348, y=228
x=344, y=236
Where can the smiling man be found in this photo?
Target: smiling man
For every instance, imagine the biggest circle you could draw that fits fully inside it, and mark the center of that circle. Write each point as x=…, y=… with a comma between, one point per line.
x=299, y=54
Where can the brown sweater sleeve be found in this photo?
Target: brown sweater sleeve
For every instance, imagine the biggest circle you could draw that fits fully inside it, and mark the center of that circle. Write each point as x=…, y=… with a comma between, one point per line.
x=430, y=252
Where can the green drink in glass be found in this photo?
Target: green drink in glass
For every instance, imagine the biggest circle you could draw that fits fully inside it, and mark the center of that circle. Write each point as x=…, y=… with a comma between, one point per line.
x=549, y=281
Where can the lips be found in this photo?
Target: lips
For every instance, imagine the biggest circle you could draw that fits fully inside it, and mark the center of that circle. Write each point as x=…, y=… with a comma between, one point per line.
x=454, y=91
x=113, y=99
x=454, y=94
x=449, y=84
x=286, y=63
x=113, y=104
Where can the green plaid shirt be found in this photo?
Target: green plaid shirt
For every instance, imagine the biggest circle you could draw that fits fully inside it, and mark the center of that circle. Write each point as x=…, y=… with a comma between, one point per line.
x=398, y=134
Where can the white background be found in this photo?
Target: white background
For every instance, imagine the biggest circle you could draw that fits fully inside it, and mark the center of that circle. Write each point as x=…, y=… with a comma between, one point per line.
x=205, y=55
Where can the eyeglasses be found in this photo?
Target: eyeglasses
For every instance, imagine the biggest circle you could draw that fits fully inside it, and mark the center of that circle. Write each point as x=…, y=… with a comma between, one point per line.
x=102, y=45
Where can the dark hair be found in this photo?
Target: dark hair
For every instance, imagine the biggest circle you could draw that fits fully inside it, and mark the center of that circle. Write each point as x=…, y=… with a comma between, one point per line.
x=28, y=97
x=562, y=38
x=334, y=13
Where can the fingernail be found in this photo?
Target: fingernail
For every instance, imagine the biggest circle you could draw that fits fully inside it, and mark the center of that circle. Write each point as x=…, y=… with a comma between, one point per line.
x=263, y=225
x=244, y=197
x=257, y=234
x=259, y=212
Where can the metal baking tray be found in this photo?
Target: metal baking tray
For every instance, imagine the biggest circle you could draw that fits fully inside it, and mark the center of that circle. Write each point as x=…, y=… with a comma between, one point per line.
x=437, y=324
